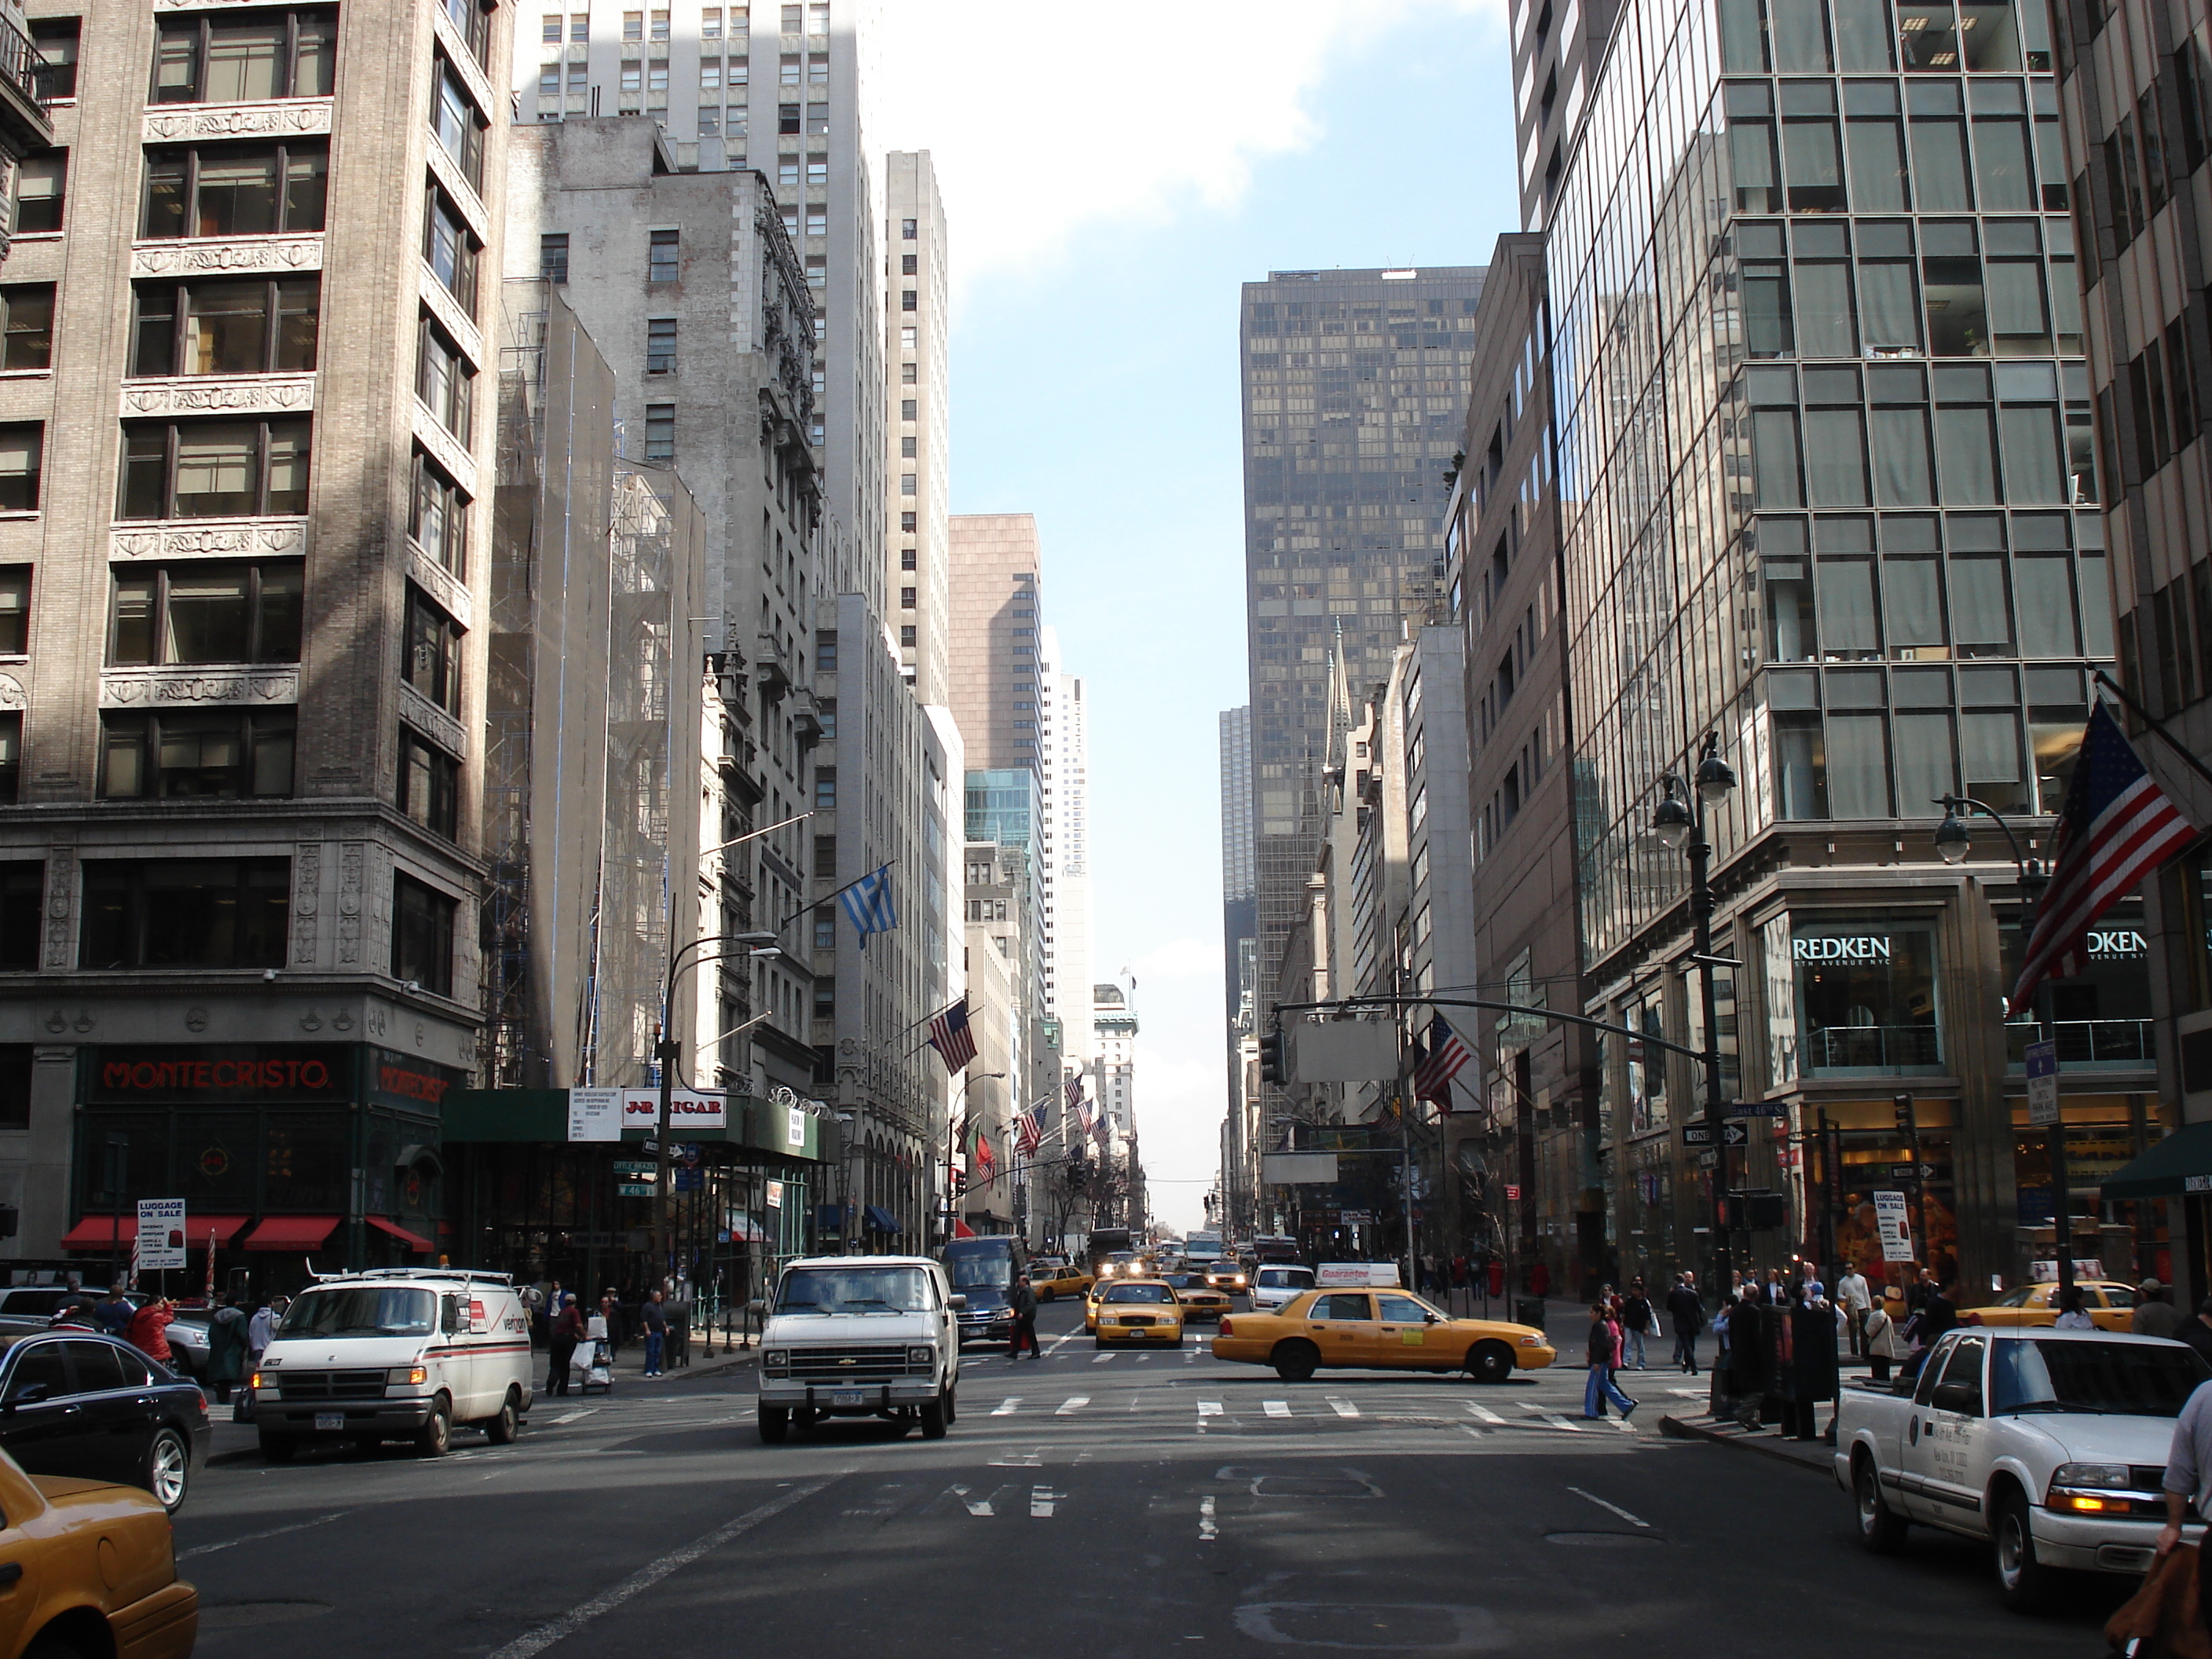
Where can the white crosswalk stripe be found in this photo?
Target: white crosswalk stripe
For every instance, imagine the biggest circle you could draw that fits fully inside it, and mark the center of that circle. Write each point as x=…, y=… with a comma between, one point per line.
x=1209, y=1408
x=1006, y=1407
x=1277, y=1408
x=1072, y=1404
x=1344, y=1407
x=1485, y=1413
x=1101, y=1359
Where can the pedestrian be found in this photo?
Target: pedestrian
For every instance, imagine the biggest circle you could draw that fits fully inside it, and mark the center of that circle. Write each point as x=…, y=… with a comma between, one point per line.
x=2072, y=1316
x=610, y=1310
x=1025, y=1335
x=566, y=1332
x=226, y=1360
x=1604, y=1349
x=1883, y=1349
x=1853, y=1295
x=2197, y=1330
x=1637, y=1322
x=1813, y=1377
x=112, y=1312
x=1938, y=1314
x=149, y=1325
x=2188, y=1480
x=654, y=1317
x=262, y=1328
x=1750, y=1371
x=2155, y=1316
x=1687, y=1311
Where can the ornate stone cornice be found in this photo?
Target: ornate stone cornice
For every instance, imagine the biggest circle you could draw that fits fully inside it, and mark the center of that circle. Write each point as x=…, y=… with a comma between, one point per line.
x=461, y=190
x=229, y=394
x=441, y=585
x=12, y=695
x=432, y=721
x=209, y=538
x=199, y=687
x=279, y=117
x=245, y=255
x=454, y=320
x=445, y=448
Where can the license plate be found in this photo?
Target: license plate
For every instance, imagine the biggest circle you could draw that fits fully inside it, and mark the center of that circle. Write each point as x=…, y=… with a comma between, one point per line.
x=848, y=1397
x=329, y=1420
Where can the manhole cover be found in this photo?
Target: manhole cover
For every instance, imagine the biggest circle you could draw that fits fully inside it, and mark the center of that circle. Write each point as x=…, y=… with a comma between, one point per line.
x=1602, y=1540
x=243, y=1615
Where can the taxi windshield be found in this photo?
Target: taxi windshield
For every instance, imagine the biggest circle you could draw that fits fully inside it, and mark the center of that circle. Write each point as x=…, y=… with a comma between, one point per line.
x=2127, y=1379
x=1141, y=1293
x=362, y=1310
x=853, y=1290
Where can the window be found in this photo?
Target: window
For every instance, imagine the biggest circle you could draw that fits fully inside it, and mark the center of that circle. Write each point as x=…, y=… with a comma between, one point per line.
x=429, y=785
x=710, y=23
x=185, y=913
x=661, y=345
x=431, y=662
x=656, y=80
x=817, y=223
x=456, y=123
x=660, y=27
x=11, y=757
x=422, y=936
x=825, y=788
x=579, y=27
x=22, y=886
x=1866, y=997
x=256, y=325
x=907, y=523
x=27, y=325
x=907, y=484
x=21, y=448
x=41, y=183
x=213, y=469
x=208, y=754
x=827, y=709
x=218, y=60
x=906, y=558
x=553, y=258
x=818, y=120
x=471, y=21
x=235, y=191
x=632, y=77
x=550, y=33
x=825, y=931
x=660, y=432
x=197, y=613
x=438, y=520
x=56, y=39
x=906, y=449
x=825, y=653
x=633, y=25
x=444, y=381
x=14, y=610
x=905, y=598
x=906, y=633
x=908, y=375
x=449, y=248
x=825, y=857
x=786, y=119
x=817, y=171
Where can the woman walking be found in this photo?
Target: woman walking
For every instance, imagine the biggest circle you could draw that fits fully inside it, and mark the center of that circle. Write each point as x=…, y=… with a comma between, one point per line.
x=1879, y=1331
x=1604, y=1349
x=567, y=1331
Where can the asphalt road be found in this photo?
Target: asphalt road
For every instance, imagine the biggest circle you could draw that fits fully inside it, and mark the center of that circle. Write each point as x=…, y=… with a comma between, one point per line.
x=1086, y=1509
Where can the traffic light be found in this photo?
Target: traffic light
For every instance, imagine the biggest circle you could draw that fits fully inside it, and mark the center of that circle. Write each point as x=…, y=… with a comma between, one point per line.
x=1274, y=1070
x=1078, y=1175
x=1904, y=1104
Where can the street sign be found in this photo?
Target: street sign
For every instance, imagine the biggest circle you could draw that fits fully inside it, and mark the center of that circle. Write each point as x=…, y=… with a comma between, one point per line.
x=1512, y=1195
x=1896, y=1228
x=2042, y=1083
x=689, y=1151
x=1697, y=1134
x=625, y=1166
x=633, y=1189
x=1735, y=1134
x=161, y=1234
x=1708, y=1160
x=1759, y=1109
x=1355, y=1218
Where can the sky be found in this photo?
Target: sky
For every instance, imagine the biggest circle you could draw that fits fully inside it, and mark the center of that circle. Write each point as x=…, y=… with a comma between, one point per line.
x=1106, y=193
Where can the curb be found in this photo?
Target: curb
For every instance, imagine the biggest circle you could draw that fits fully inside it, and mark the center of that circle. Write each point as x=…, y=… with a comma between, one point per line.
x=1674, y=1428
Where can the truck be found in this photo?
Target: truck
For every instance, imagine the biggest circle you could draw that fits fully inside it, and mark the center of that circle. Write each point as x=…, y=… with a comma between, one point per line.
x=1103, y=1244
x=2048, y=1445
x=1201, y=1250
x=859, y=1336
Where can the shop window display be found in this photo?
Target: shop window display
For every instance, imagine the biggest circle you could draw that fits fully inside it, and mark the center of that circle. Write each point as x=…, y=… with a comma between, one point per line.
x=2101, y=1015
x=1866, y=997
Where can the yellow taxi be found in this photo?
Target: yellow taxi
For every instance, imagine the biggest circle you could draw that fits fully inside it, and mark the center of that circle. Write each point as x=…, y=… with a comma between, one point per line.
x=1091, y=1298
x=1142, y=1311
x=1227, y=1275
x=2110, y=1304
x=1199, y=1300
x=86, y=1552
x=1379, y=1330
x=1053, y=1280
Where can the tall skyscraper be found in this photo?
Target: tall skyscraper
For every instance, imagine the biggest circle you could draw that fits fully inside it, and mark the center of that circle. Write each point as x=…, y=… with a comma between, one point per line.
x=917, y=354
x=1353, y=385
x=1066, y=736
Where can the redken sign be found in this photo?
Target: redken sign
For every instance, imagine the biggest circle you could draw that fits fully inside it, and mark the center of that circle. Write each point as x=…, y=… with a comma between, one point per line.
x=1863, y=947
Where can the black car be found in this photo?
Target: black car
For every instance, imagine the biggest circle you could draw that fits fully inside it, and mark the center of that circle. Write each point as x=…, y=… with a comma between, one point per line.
x=77, y=1403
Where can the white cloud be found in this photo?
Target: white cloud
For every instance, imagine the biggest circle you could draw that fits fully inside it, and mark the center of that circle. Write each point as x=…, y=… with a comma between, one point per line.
x=1054, y=117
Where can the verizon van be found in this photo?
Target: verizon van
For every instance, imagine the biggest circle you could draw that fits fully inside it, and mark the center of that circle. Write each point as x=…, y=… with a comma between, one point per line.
x=398, y=1353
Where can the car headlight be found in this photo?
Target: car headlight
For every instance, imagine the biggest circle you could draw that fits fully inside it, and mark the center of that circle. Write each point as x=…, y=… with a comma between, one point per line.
x=922, y=1354
x=407, y=1375
x=2107, y=1475
x=1536, y=1341
x=776, y=1359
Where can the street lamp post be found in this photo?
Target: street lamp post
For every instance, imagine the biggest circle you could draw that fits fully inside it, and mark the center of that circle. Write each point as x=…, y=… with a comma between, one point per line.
x=1682, y=827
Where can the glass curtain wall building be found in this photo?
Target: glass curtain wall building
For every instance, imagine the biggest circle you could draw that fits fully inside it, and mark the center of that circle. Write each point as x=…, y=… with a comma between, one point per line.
x=1829, y=492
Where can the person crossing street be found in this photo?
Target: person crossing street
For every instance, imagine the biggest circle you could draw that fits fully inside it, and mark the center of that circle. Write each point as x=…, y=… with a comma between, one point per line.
x=1026, y=1307
x=1687, y=1311
x=1604, y=1350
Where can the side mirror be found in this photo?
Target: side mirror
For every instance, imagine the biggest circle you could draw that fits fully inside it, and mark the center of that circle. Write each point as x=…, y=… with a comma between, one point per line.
x=31, y=1393
x=1435, y=1318
x=956, y=1302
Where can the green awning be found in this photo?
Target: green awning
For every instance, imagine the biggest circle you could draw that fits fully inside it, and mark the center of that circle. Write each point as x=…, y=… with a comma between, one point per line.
x=2182, y=1163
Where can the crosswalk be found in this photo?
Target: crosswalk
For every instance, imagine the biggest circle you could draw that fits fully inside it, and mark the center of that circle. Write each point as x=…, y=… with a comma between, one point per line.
x=1155, y=1405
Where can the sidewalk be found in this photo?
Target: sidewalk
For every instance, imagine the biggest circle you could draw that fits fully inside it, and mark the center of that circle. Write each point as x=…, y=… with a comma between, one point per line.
x=1815, y=1455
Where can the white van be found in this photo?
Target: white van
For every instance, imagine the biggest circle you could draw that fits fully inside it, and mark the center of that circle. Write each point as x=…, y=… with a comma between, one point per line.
x=1275, y=1283
x=861, y=1336
x=396, y=1353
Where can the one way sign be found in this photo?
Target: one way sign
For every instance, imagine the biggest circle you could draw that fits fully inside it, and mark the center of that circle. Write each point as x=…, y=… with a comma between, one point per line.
x=1735, y=1134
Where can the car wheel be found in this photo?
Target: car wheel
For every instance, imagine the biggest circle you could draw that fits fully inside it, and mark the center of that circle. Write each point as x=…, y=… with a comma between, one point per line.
x=774, y=1425
x=2026, y=1582
x=277, y=1448
x=1490, y=1362
x=169, y=1469
x=502, y=1429
x=952, y=1403
x=933, y=1419
x=1881, y=1529
x=437, y=1431
x=54, y=1645
x=1296, y=1362
x=1044, y=1296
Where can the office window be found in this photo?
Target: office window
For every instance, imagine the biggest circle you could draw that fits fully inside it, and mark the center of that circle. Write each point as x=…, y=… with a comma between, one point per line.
x=905, y=598
x=205, y=755
x=231, y=612
x=825, y=788
x=825, y=930
x=14, y=610
x=817, y=171
x=907, y=299
x=256, y=325
x=660, y=432
x=185, y=913
x=656, y=80
x=444, y=381
x=825, y=857
x=710, y=23
x=908, y=263
x=422, y=936
x=11, y=757
x=22, y=884
x=906, y=484
x=906, y=633
x=27, y=325
x=242, y=58
x=56, y=38
x=579, y=27
x=908, y=228
x=438, y=516
x=21, y=449
x=906, y=522
x=906, y=337
x=450, y=248
x=710, y=123
x=817, y=223
x=633, y=28
x=818, y=70
x=659, y=28
x=553, y=258
x=41, y=184
x=661, y=257
x=787, y=75
x=455, y=123
x=906, y=448
x=786, y=119
x=431, y=654
x=906, y=409
x=633, y=77
x=548, y=80
x=235, y=190
x=710, y=75
x=661, y=345
x=825, y=653
x=471, y=21
x=550, y=31
x=429, y=785
x=906, y=558
x=818, y=120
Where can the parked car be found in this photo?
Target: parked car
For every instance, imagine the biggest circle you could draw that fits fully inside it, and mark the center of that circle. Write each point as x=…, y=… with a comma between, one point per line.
x=1379, y=1330
x=95, y=1571
x=76, y=1403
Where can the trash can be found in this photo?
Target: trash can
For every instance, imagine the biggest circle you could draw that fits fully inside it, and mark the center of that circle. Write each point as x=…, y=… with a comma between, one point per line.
x=1528, y=1310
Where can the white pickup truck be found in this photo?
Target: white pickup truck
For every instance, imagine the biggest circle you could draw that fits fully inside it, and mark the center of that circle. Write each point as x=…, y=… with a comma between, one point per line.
x=859, y=1336
x=2051, y=1444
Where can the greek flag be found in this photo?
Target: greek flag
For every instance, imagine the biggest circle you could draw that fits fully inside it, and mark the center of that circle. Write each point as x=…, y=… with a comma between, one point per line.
x=868, y=907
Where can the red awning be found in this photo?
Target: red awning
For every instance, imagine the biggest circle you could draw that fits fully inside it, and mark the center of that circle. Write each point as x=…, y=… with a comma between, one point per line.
x=100, y=1232
x=412, y=1241
x=292, y=1232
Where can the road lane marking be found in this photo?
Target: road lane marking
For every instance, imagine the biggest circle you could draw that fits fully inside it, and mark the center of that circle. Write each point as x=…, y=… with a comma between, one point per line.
x=1550, y=1417
x=1277, y=1408
x=1206, y=1529
x=1692, y=1394
x=536, y=1641
x=974, y=1505
x=1101, y=1358
x=1209, y=1408
x=256, y=1537
x=1142, y=1357
x=1020, y=1460
x=1005, y=1407
x=1072, y=1404
x=1041, y=1502
x=573, y=1416
x=1602, y=1504
x=1344, y=1407
x=1485, y=1413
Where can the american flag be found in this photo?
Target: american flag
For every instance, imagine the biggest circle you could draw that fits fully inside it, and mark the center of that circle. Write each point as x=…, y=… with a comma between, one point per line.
x=1088, y=1116
x=1029, y=1130
x=1440, y=1062
x=2116, y=828
x=950, y=1035
x=1073, y=1092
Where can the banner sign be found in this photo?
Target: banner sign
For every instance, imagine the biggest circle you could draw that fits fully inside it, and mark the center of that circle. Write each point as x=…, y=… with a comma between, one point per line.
x=688, y=1108
x=161, y=1234
x=1896, y=1228
x=595, y=1114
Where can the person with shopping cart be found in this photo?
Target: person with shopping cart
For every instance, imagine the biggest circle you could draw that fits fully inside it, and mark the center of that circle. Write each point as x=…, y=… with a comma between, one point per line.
x=567, y=1331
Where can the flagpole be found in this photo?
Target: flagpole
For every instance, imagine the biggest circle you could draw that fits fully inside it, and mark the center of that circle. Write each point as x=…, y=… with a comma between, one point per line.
x=2155, y=724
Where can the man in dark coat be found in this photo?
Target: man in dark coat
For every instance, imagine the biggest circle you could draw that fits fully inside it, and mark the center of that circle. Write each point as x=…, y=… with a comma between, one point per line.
x=1689, y=1313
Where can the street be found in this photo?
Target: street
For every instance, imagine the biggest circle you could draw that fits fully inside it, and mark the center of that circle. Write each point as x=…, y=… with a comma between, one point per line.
x=1085, y=1505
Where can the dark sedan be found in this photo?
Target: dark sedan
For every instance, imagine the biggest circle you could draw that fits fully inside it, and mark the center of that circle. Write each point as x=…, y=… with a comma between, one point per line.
x=76, y=1403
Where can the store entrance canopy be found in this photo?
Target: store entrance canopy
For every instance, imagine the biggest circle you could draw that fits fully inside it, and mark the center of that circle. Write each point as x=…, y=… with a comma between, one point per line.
x=2181, y=1163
